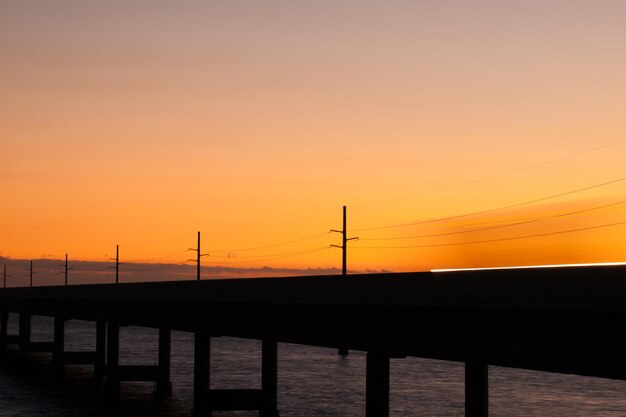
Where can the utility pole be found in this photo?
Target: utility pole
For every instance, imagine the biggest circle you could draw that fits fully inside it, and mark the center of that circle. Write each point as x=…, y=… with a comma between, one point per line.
x=117, y=263
x=344, y=258
x=344, y=245
x=197, y=260
x=66, y=268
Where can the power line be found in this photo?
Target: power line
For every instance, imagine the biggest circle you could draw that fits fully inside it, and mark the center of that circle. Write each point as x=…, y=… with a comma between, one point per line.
x=161, y=257
x=496, y=176
x=300, y=219
x=571, y=213
x=159, y=242
x=495, y=240
x=235, y=256
x=272, y=245
x=459, y=216
x=234, y=251
x=133, y=267
x=288, y=255
x=294, y=220
x=553, y=161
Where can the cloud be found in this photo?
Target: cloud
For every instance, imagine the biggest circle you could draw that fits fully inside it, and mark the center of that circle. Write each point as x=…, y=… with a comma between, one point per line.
x=51, y=272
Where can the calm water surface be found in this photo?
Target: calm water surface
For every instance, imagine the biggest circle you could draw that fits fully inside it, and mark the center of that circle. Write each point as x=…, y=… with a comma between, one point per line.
x=312, y=382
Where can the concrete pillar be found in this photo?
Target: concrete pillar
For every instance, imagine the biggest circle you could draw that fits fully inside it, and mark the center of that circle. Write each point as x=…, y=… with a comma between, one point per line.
x=269, y=379
x=112, y=383
x=101, y=339
x=163, y=383
x=59, y=345
x=4, y=322
x=25, y=321
x=377, y=385
x=476, y=389
x=201, y=374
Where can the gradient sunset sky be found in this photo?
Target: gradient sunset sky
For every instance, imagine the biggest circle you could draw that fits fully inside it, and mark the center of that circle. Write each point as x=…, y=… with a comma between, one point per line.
x=139, y=123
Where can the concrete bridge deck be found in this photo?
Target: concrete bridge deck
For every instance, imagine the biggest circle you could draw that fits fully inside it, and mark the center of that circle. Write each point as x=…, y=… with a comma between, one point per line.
x=568, y=320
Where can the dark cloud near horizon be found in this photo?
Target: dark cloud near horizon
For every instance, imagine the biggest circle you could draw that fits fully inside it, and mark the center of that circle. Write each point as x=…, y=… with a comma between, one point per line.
x=51, y=272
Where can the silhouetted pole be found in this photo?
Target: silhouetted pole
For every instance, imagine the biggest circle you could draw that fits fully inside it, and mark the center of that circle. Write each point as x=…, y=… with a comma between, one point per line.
x=344, y=256
x=344, y=244
x=197, y=260
x=66, y=268
x=117, y=264
x=4, y=277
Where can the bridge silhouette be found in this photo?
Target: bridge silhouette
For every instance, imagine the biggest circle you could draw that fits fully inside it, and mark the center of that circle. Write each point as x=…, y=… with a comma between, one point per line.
x=567, y=320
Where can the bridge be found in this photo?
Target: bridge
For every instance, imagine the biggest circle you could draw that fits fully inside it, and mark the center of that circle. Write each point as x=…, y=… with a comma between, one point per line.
x=567, y=320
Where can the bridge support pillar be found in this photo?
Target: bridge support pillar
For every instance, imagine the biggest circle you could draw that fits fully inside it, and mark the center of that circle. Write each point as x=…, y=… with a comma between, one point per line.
x=4, y=322
x=201, y=374
x=377, y=385
x=62, y=357
x=207, y=400
x=163, y=383
x=115, y=373
x=24, y=335
x=59, y=345
x=269, y=379
x=99, y=368
x=112, y=382
x=476, y=389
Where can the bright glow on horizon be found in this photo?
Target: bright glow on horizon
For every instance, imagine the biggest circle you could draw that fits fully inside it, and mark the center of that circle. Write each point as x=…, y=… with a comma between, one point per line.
x=530, y=267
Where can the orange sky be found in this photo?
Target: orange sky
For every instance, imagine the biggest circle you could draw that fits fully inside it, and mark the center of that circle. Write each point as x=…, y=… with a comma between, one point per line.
x=140, y=123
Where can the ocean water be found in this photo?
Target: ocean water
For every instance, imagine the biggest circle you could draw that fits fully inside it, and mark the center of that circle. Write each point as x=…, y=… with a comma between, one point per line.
x=312, y=382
